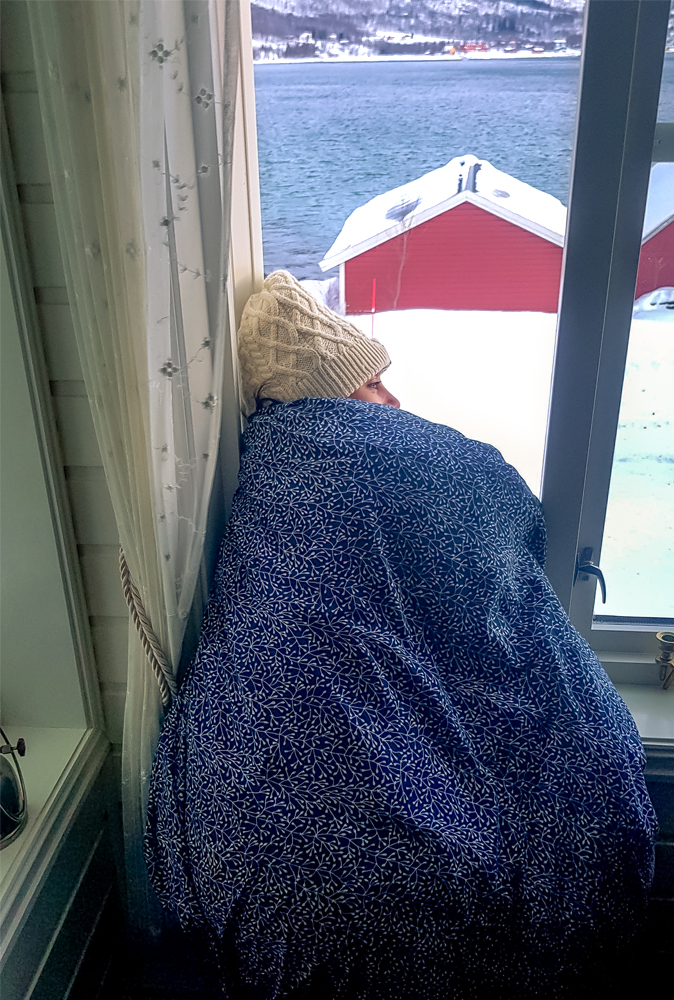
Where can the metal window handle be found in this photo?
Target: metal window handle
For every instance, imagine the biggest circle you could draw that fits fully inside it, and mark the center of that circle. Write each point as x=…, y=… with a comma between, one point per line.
x=586, y=568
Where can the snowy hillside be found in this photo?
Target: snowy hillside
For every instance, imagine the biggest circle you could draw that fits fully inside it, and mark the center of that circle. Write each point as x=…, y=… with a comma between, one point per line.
x=476, y=19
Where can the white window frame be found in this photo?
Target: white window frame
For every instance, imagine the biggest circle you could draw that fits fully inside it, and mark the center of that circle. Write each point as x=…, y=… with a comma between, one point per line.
x=614, y=143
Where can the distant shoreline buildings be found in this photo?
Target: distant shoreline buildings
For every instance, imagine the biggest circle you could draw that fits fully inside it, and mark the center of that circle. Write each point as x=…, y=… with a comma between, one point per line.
x=389, y=45
x=285, y=30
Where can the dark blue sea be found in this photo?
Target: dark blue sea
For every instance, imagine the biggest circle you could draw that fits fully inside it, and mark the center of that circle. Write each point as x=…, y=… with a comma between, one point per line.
x=333, y=135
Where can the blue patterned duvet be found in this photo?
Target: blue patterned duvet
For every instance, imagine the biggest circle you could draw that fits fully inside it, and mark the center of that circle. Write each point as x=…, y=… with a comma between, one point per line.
x=393, y=759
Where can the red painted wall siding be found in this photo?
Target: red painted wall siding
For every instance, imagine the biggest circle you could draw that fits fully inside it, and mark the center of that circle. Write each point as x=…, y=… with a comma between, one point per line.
x=465, y=258
x=656, y=263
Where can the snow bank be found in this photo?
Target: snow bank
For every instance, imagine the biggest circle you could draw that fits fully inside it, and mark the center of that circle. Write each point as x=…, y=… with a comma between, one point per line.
x=657, y=305
x=326, y=292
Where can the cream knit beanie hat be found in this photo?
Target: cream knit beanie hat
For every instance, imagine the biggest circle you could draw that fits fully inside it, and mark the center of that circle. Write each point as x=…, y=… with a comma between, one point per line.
x=291, y=346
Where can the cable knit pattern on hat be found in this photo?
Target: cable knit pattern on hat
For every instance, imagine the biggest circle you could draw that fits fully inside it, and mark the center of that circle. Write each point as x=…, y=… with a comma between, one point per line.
x=292, y=347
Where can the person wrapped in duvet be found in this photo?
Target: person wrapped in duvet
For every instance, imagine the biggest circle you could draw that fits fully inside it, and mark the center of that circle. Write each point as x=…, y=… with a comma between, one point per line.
x=395, y=771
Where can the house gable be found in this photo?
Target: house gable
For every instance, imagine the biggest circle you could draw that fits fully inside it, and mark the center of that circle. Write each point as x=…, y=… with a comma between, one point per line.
x=465, y=258
x=419, y=218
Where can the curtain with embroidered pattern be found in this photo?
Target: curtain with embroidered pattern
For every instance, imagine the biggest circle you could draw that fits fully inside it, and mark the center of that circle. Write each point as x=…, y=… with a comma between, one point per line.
x=137, y=99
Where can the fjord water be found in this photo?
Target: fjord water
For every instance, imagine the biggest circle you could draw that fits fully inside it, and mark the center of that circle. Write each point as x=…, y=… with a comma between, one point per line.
x=332, y=136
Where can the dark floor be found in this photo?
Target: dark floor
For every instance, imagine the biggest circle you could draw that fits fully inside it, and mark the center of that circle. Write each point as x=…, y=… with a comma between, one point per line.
x=177, y=967
x=118, y=968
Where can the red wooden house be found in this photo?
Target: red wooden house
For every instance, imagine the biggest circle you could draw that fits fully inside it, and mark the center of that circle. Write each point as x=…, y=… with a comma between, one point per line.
x=656, y=264
x=465, y=236
x=468, y=236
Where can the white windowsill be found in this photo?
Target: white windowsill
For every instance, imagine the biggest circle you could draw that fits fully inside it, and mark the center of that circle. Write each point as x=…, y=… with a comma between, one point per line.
x=652, y=709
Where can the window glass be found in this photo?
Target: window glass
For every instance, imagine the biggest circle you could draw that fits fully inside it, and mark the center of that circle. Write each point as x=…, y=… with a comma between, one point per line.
x=458, y=272
x=638, y=547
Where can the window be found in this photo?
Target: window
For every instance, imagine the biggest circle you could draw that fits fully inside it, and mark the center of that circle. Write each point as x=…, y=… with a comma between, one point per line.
x=455, y=266
x=621, y=73
x=612, y=164
x=50, y=695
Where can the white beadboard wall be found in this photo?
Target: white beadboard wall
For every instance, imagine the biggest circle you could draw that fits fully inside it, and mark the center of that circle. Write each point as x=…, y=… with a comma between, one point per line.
x=94, y=522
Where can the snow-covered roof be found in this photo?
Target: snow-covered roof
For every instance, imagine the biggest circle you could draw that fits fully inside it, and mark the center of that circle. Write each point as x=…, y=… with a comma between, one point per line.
x=660, y=203
x=407, y=206
x=463, y=179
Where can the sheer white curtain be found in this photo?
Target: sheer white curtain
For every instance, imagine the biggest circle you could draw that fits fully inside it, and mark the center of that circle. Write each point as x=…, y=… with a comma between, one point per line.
x=137, y=99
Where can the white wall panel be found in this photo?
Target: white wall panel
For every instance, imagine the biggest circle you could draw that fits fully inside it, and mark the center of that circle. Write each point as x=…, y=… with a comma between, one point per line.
x=114, y=700
x=90, y=502
x=39, y=222
x=25, y=124
x=63, y=361
x=76, y=427
x=111, y=638
x=40, y=685
x=103, y=587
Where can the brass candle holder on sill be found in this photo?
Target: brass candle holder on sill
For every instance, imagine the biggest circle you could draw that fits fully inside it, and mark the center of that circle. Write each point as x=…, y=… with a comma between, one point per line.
x=665, y=657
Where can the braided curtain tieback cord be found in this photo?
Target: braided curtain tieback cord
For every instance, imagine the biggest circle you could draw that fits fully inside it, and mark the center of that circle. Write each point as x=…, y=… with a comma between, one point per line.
x=148, y=638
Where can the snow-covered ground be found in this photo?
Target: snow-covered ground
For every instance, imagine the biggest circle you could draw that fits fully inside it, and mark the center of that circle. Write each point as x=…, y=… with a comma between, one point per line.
x=638, y=552
x=488, y=375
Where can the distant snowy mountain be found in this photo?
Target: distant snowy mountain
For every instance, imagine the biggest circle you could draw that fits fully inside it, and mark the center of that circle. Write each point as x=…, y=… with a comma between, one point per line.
x=475, y=19
x=416, y=8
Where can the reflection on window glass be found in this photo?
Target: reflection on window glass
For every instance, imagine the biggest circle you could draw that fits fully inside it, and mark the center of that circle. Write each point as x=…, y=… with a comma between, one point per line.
x=432, y=190
x=638, y=548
